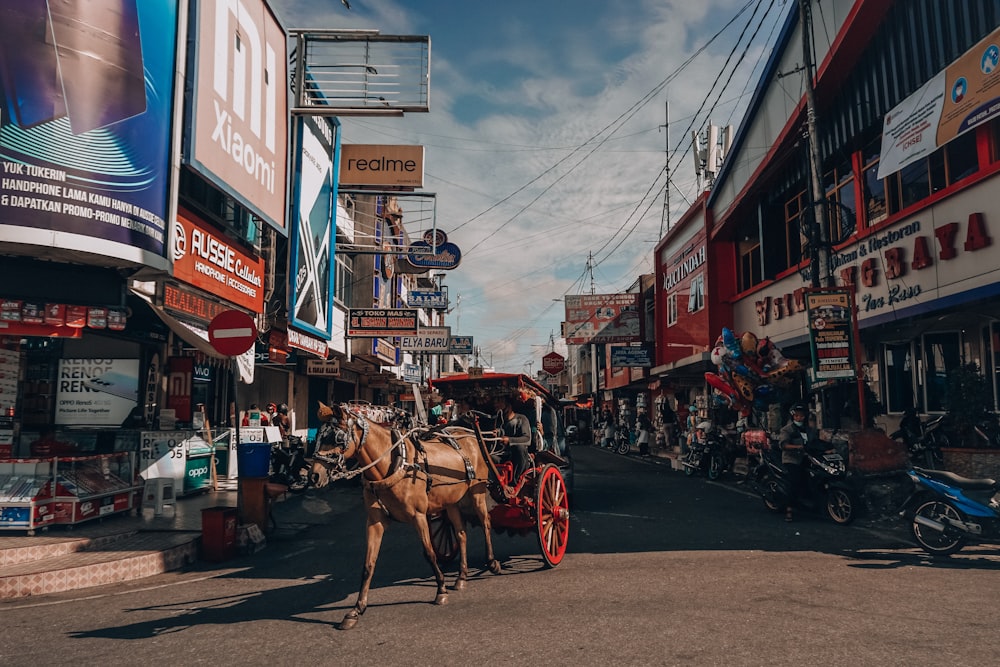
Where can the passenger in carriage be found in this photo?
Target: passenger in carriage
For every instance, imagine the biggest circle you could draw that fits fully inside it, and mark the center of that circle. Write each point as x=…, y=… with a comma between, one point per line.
x=516, y=434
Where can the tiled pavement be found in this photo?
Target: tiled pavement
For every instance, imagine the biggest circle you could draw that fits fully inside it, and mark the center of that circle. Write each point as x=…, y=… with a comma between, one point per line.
x=117, y=548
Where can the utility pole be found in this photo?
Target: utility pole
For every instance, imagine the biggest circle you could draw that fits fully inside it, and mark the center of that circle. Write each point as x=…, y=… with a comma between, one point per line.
x=821, y=250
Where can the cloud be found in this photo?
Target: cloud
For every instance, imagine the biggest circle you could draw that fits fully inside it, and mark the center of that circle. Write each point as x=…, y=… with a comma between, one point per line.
x=543, y=126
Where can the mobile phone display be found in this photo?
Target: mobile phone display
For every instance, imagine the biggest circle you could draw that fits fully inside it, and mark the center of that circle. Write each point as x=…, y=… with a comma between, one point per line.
x=29, y=67
x=116, y=384
x=100, y=59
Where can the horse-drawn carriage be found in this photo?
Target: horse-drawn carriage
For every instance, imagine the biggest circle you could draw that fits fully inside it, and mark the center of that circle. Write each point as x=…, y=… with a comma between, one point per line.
x=440, y=478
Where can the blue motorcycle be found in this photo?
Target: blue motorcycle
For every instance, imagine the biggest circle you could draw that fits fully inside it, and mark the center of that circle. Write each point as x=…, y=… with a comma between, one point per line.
x=949, y=511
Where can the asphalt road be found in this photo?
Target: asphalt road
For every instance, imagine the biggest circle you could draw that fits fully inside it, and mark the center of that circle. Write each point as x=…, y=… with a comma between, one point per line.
x=662, y=569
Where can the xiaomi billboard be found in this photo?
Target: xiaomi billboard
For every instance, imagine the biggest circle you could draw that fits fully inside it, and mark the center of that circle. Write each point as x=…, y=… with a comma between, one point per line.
x=239, y=107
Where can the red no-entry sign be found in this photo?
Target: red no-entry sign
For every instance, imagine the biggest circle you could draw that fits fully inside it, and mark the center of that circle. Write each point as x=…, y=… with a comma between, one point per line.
x=232, y=332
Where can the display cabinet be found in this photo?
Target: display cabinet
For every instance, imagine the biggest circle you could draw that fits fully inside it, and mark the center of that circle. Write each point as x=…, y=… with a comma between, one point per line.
x=70, y=490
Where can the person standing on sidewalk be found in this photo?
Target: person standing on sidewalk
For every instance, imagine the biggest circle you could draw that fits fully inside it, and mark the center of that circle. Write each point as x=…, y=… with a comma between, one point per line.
x=643, y=426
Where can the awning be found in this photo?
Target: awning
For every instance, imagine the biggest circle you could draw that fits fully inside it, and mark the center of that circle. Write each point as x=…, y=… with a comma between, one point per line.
x=197, y=337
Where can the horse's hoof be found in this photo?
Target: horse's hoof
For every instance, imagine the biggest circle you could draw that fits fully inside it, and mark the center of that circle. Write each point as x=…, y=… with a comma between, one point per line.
x=348, y=622
x=460, y=585
x=442, y=598
x=494, y=566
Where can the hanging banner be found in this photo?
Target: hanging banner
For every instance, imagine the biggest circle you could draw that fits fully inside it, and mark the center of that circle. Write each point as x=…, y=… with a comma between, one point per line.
x=830, y=313
x=957, y=99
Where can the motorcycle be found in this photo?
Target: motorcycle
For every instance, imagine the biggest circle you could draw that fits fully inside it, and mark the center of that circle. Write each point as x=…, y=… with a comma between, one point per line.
x=948, y=511
x=621, y=443
x=707, y=456
x=923, y=440
x=289, y=466
x=826, y=485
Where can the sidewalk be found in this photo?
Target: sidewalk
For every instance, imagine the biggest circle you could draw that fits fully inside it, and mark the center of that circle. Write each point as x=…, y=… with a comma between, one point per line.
x=117, y=548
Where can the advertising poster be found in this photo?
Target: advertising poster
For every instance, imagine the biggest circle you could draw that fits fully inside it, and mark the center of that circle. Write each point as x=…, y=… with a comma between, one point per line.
x=96, y=392
x=602, y=318
x=85, y=125
x=239, y=103
x=962, y=96
x=831, y=334
x=313, y=231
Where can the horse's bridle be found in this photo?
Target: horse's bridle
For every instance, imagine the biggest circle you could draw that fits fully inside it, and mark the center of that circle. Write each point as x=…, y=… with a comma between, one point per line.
x=348, y=444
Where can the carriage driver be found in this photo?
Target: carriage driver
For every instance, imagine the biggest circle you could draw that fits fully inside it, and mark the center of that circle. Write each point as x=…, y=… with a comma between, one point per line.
x=516, y=433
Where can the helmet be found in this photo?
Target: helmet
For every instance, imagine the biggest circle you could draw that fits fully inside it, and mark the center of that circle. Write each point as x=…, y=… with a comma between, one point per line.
x=704, y=426
x=798, y=407
x=283, y=409
x=271, y=407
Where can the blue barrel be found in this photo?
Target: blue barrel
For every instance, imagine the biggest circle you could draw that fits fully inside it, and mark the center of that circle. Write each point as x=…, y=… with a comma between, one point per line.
x=254, y=459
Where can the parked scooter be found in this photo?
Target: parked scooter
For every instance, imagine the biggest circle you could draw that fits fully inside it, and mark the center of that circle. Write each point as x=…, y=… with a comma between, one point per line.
x=289, y=466
x=706, y=452
x=948, y=511
x=923, y=440
x=826, y=486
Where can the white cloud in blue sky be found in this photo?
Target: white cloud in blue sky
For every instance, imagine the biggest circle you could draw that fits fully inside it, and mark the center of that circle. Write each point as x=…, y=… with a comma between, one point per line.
x=545, y=99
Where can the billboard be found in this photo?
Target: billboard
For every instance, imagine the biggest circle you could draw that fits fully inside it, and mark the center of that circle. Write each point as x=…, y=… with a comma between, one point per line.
x=239, y=104
x=603, y=318
x=427, y=339
x=957, y=99
x=205, y=258
x=85, y=125
x=382, y=166
x=381, y=323
x=96, y=392
x=313, y=228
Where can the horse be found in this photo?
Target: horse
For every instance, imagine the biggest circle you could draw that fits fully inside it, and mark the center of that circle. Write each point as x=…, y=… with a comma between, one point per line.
x=406, y=477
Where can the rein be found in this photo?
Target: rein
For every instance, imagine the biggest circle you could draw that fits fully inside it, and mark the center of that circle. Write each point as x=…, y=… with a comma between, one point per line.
x=348, y=436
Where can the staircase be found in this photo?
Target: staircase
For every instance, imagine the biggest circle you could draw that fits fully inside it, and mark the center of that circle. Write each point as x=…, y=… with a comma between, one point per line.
x=40, y=565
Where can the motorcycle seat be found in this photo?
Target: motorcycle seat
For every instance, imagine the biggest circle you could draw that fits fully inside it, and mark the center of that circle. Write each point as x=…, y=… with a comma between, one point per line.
x=967, y=483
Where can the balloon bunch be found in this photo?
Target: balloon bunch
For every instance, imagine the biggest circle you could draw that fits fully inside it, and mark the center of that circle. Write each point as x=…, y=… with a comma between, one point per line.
x=750, y=371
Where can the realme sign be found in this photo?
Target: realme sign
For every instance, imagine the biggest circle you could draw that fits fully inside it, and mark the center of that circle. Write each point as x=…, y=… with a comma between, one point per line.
x=382, y=166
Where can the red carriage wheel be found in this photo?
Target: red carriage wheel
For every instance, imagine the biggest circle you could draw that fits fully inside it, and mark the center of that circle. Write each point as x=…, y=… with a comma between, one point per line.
x=552, y=515
x=443, y=537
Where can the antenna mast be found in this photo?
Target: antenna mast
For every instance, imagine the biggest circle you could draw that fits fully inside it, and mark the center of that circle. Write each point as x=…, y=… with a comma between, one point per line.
x=665, y=217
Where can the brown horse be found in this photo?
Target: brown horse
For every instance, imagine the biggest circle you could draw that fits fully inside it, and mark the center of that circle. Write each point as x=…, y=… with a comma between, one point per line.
x=406, y=481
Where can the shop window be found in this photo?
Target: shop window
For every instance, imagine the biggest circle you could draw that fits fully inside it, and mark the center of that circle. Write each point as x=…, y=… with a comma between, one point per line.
x=962, y=158
x=874, y=187
x=913, y=185
x=942, y=353
x=748, y=249
x=840, y=214
x=899, y=369
x=671, y=309
x=795, y=217
x=696, y=300
x=343, y=279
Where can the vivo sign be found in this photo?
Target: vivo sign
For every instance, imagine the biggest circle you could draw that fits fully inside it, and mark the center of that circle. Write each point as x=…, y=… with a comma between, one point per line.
x=240, y=135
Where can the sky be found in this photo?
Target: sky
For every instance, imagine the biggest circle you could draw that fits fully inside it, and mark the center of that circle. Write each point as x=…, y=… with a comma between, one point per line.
x=547, y=139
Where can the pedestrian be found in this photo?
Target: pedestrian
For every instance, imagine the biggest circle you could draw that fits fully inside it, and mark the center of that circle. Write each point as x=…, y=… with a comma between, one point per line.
x=643, y=426
x=609, y=432
x=668, y=421
x=792, y=441
x=283, y=423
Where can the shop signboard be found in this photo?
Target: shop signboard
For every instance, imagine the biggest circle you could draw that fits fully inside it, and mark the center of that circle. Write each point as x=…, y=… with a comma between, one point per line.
x=602, y=318
x=830, y=317
x=381, y=322
x=460, y=345
x=411, y=373
x=86, y=140
x=427, y=299
x=96, y=392
x=631, y=356
x=382, y=166
x=428, y=339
